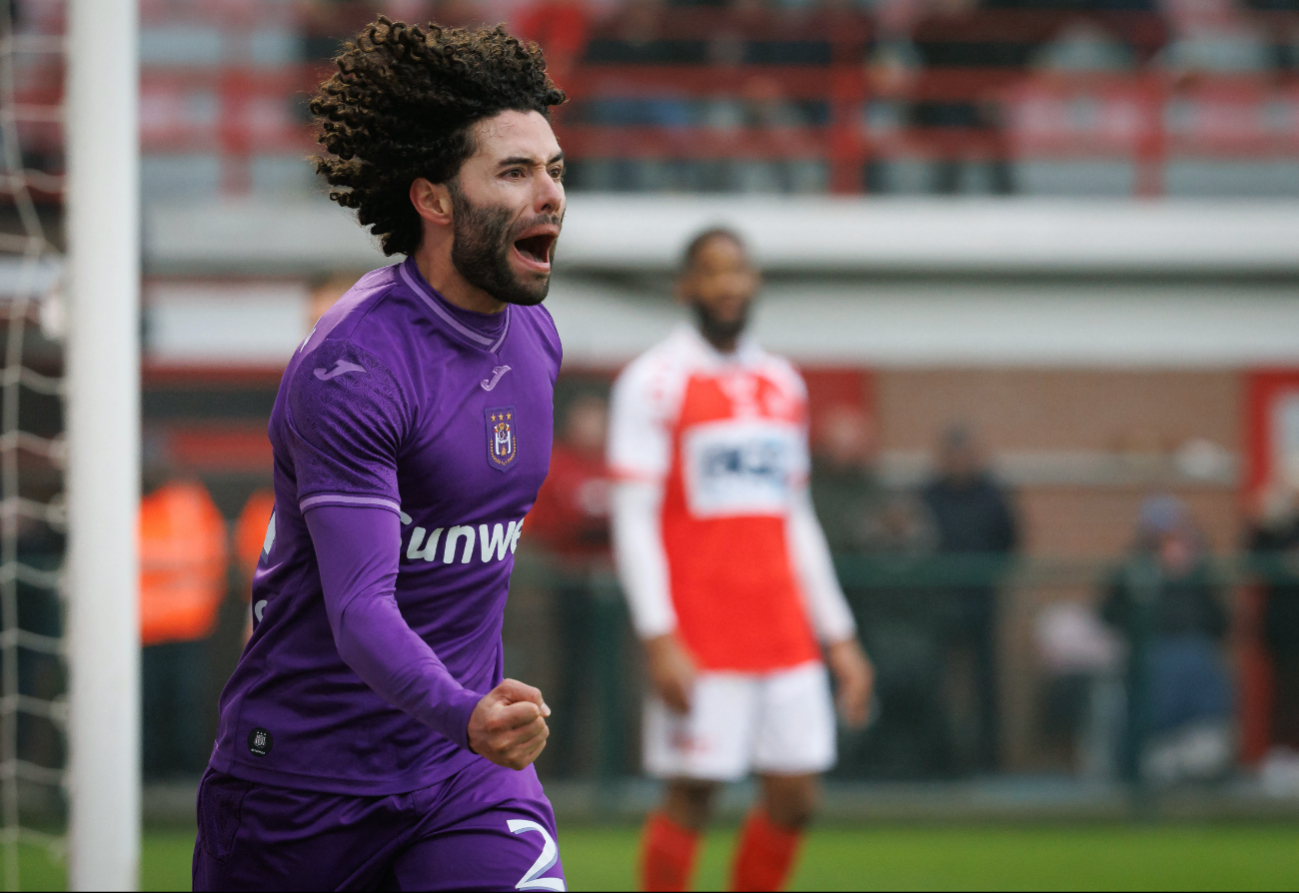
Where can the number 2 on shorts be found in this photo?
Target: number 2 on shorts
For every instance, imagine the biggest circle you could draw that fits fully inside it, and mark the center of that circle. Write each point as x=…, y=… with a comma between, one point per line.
x=549, y=856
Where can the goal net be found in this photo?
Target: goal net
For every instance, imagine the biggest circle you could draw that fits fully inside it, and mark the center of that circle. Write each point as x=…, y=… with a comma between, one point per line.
x=69, y=442
x=33, y=709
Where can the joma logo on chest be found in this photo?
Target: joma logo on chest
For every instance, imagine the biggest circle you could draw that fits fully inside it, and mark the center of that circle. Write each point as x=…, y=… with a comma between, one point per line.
x=492, y=542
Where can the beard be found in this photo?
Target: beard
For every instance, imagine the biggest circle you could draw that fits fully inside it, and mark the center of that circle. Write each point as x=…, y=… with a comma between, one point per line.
x=720, y=330
x=481, y=245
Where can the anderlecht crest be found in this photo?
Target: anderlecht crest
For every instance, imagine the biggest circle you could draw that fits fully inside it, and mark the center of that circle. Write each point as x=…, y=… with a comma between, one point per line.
x=502, y=437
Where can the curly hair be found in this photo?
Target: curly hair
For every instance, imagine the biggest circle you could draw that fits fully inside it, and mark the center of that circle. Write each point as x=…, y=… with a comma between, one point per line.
x=401, y=107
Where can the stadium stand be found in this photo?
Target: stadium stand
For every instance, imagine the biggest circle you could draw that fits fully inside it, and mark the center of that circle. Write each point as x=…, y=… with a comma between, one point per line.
x=1057, y=98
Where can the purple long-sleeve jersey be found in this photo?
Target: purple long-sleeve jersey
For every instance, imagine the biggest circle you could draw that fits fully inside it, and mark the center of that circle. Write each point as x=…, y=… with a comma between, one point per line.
x=401, y=413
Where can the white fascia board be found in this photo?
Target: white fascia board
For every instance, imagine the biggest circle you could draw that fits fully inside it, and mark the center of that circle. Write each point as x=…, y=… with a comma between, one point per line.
x=235, y=236
x=624, y=233
x=1042, y=325
x=942, y=235
x=981, y=325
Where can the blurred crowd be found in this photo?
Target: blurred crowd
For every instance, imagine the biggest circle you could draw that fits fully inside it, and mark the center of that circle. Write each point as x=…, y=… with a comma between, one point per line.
x=1135, y=682
x=1091, y=35
x=944, y=81
x=882, y=96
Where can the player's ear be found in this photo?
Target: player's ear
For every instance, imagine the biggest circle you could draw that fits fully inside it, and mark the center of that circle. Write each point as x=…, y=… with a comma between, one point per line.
x=432, y=201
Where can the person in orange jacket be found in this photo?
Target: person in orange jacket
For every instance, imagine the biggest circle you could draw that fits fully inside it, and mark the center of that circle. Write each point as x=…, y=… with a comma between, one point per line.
x=183, y=562
x=250, y=541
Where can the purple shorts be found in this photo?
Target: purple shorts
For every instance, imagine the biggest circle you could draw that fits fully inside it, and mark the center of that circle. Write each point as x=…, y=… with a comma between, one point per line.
x=486, y=828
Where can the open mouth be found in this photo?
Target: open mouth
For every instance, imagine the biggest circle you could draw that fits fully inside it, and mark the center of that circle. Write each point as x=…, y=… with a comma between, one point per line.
x=535, y=249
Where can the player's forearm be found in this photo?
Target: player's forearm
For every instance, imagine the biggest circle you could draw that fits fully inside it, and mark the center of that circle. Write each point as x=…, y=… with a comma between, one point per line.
x=375, y=641
x=358, y=552
x=642, y=562
x=826, y=606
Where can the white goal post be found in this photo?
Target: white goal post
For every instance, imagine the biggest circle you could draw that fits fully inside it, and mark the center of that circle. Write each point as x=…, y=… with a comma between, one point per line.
x=103, y=431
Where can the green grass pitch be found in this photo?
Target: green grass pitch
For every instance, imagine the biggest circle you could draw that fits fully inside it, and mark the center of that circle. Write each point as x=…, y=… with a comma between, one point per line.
x=880, y=857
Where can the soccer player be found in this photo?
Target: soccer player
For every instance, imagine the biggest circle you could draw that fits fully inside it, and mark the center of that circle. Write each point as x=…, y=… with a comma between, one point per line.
x=367, y=739
x=729, y=578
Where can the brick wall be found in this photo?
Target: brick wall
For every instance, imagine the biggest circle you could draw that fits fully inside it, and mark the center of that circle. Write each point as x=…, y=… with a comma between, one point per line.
x=1140, y=417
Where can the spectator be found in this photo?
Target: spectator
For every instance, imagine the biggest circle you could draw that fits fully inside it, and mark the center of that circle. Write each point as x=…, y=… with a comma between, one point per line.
x=782, y=125
x=954, y=130
x=251, y=531
x=893, y=66
x=1081, y=700
x=183, y=559
x=1212, y=36
x=1083, y=46
x=902, y=619
x=1179, y=695
x=633, y=37
x=1275, y=544
x=845, y=488
x=571, y=521
x=974, y=520
x=1282, y=28
x=954, y=126
x=571, y=517
x=880, y=539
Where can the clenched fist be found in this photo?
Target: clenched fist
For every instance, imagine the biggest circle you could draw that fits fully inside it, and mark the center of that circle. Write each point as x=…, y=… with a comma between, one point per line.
x=508, y=726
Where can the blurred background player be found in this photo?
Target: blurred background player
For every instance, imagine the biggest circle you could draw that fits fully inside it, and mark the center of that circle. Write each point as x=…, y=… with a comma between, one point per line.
x=729, y=578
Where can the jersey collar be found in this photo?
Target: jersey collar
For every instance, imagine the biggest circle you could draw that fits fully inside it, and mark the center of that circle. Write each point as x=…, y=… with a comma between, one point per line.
x=410, y=274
